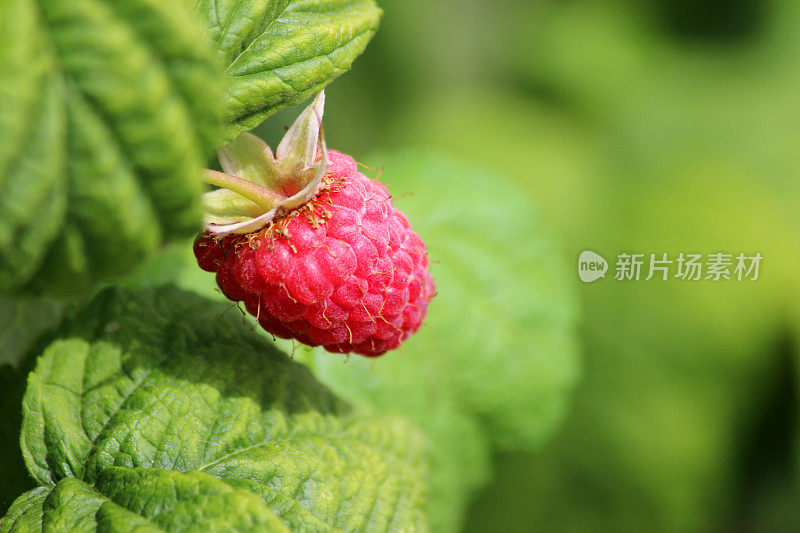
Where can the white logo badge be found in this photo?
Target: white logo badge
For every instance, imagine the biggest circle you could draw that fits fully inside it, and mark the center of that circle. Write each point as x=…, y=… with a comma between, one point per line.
x=591, y=266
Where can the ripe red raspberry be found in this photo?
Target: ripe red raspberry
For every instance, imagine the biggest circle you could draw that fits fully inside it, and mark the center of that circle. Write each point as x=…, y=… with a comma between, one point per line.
x=314, y=249
x=345, y=270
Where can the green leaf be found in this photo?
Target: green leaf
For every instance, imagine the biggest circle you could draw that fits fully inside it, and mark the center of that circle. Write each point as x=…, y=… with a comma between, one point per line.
x=280, y=52
x=123, y=501
x=496, y=359
x=108, y=110
x=162, y=408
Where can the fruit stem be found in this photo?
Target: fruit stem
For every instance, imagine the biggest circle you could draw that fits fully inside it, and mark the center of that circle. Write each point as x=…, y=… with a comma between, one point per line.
x=259, y=195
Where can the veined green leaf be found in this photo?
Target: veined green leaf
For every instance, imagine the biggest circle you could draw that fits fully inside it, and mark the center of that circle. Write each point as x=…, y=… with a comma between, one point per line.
x=280, y=52
x=108, y=109
x=123, y=501
x=163, y=409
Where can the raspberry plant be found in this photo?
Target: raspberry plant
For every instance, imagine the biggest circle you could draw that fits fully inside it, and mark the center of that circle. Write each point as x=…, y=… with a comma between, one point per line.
x=150, y=402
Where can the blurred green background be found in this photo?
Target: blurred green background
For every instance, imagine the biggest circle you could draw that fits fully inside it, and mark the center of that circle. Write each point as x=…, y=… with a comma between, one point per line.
x=645, y=126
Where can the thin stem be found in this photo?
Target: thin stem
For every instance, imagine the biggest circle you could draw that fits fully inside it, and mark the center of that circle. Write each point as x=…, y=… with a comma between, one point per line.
x=259, y=195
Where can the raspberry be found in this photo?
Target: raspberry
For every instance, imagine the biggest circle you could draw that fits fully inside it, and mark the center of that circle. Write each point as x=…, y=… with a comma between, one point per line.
x=340, y=268
x=345, y=271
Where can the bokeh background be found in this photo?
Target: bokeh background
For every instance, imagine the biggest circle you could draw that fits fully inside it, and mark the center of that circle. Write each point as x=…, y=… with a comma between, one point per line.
x=636, y=126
